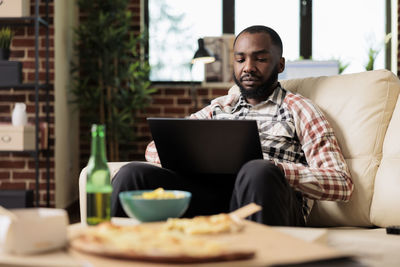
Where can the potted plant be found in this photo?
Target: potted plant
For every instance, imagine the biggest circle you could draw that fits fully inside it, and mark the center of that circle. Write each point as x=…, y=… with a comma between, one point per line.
x=6, y=35
x=111, y=78
x=372, y=54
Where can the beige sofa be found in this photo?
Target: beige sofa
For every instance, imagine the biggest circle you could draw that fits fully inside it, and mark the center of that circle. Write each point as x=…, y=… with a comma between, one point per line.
x=364, y=111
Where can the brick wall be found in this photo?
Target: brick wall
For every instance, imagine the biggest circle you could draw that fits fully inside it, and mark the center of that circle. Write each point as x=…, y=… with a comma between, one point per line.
x=17, y=170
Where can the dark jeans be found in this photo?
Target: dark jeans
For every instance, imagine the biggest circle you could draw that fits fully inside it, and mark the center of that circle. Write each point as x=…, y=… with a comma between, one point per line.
x=258, y=181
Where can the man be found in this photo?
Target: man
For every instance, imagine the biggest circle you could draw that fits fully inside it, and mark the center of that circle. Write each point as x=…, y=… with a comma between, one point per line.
x=302, y=159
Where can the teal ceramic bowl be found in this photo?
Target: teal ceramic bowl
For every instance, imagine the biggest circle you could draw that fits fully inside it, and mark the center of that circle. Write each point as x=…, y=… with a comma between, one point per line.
x=150, y=210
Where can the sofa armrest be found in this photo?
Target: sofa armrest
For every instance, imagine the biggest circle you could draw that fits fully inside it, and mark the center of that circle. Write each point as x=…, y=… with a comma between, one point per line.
x=114, y=167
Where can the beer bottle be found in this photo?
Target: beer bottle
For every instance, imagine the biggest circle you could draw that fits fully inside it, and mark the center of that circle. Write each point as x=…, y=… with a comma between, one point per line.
x=98, y=186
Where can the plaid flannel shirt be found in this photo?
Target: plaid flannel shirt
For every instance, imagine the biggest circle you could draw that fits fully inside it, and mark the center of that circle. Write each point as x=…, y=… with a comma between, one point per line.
x=296, y=136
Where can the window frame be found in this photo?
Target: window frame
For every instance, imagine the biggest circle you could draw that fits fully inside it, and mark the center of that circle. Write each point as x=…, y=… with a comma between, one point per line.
x=305, y=31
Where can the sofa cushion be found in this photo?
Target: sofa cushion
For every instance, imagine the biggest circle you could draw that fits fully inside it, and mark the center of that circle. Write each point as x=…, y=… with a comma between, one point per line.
x=385, y=208
x=359, y=108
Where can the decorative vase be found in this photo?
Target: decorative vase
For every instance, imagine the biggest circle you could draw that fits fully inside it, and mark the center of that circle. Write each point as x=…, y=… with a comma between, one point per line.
x=19, y=117
x=4, y=53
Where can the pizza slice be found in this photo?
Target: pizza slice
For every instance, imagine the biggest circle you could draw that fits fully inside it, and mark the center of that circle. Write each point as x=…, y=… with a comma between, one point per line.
x=214, y=224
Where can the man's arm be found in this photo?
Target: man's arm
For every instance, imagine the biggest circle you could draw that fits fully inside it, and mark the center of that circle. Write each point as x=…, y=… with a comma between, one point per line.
x=223, y=103
x=327, y=177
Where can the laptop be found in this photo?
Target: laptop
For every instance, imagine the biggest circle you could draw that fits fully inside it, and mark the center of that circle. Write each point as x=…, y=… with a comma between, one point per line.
x=205, y=146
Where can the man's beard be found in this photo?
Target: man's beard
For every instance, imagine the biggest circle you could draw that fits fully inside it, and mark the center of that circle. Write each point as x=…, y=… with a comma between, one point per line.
x=261, y=92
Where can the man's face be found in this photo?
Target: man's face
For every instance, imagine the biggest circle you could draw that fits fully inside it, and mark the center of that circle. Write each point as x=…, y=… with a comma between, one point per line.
x=257, y=62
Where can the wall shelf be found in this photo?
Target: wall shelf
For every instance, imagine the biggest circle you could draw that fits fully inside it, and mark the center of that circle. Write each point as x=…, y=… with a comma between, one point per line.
x=23, y=21
x=35, y=21
x=24, y=86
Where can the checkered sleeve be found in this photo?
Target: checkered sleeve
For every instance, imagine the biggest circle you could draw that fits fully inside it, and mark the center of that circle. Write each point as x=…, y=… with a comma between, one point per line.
x=327, y=176
x=222, y=103
x=151, y=154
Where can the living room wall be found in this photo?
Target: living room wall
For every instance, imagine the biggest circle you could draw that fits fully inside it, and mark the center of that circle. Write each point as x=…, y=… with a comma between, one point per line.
x=17, y=171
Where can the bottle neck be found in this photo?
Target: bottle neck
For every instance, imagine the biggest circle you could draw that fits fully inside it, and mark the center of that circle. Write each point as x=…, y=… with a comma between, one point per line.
x=98, y=148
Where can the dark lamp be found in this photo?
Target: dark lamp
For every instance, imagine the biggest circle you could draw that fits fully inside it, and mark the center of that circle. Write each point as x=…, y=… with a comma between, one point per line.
x=203, y=54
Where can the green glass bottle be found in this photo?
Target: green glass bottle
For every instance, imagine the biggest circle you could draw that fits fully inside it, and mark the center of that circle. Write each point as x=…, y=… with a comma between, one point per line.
x=98, y=186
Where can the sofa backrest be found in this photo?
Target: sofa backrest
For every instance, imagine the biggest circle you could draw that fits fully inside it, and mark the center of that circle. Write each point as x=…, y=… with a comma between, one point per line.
x=359, y=107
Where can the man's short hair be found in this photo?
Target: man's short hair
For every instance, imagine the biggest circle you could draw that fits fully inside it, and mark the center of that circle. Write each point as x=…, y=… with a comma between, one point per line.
x=275, y=38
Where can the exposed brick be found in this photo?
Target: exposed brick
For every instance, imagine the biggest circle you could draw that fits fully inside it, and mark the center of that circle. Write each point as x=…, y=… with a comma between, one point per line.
x=13, y=185
x=30, y=108
x=162, y=101
x=219, y=92
x=4, y=175
x=42, y=76
x=42, y=164
x=171, y=110
x=19, y=155
x=8, y=164
x=152, y=110
x=42, y=53
x=202, y=102
x=28, y=65
x=15, y=54
x=5, y=119
x=42, y=97
x=43, y=42
x=175, y=91
x=19, y=31
x=42, y=31
x=26, y=175
x=142, y=119
x=5, y=109
x=203, y=92
x=23, y=42
x=50, y=108
x=42, y=9
x=42, y=186
x=51, y=65
x=184, y=101
x=12, y=98
x=159, y=92
x=43, y=197
x=144, y=129
x=43, y=176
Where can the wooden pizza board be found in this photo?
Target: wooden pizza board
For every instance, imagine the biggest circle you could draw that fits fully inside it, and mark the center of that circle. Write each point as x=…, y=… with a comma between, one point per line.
x=271, y=246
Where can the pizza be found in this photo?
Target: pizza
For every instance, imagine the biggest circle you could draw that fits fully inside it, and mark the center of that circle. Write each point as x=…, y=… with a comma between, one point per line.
x=155, y=243
x=214, y=224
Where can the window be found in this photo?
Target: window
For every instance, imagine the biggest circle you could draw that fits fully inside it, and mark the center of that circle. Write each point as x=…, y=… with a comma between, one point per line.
x=267, y=13
x=174, y=28
x=350, y=36
x=321, y=30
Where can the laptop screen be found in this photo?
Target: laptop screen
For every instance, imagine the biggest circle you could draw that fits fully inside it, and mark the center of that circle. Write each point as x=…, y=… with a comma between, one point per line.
x=205, y=146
